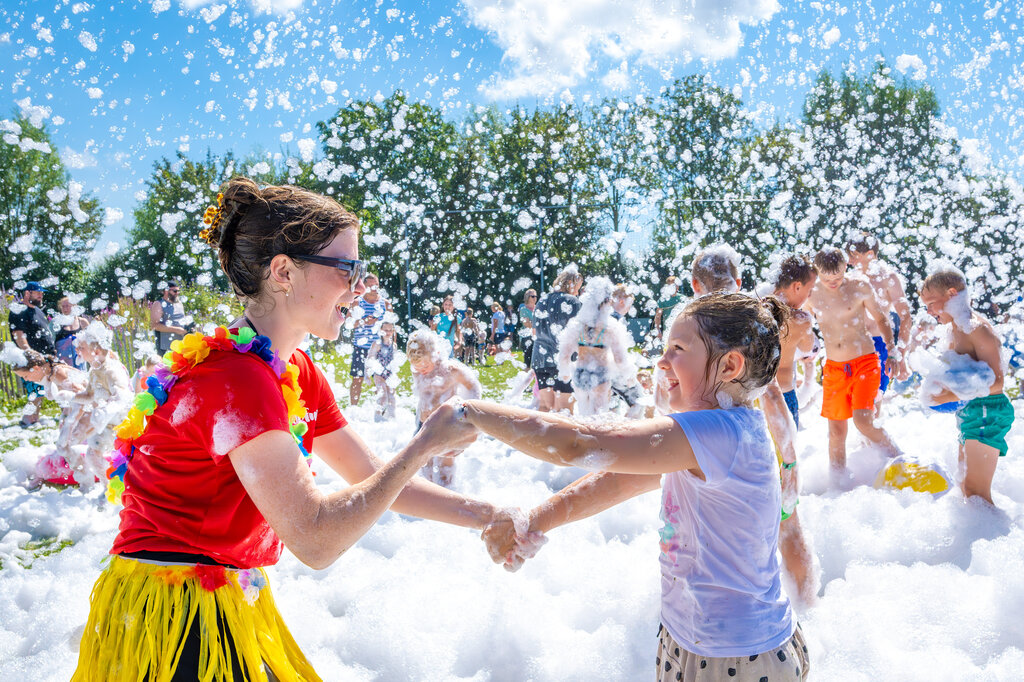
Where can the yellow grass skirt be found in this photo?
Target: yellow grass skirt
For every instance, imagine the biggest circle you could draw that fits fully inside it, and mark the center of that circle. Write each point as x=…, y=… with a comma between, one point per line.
x=140, y=612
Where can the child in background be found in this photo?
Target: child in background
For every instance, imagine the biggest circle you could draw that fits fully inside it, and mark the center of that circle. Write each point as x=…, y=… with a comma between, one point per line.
x=724, y=613
x=715, y=268
x=435, y=378
x=104, y=402
x=472, y=334
x=600, y=343
x=498, y=332
x=60, y=382
x=983, y=421
x=381, y=364
x=145, y=370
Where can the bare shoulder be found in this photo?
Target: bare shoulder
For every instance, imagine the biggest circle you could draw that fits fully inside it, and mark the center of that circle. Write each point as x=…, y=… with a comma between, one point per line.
x=983, y=333
x=860, y=286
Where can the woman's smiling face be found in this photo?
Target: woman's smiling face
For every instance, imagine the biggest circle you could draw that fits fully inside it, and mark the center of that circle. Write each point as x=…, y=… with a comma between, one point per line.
x=320, y=291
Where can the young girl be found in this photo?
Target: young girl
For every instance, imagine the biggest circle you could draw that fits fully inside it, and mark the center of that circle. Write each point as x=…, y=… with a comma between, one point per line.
x=600, y=343
x=382, y=365
x=104, y=402
x=471, y=335
x=213, y=460
x=436, y=378
x=60, y=382
x=724, y=614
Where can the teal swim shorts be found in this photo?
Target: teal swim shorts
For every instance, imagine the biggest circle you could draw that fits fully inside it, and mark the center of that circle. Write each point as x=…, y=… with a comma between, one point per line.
x=986, y=420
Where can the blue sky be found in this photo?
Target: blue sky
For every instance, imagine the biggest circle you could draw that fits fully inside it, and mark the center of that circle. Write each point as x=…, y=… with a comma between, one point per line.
x=123, y=85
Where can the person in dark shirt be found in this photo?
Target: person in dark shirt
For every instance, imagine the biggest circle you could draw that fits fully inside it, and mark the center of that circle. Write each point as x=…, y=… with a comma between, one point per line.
x=31, y=329
x=550, y=316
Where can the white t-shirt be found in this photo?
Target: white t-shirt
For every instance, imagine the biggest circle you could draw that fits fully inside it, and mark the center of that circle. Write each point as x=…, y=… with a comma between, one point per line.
x=721, y=590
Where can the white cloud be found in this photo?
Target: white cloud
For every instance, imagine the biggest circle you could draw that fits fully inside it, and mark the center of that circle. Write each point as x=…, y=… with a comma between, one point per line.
x=911, y=62
x=830, y=36
x=73, y=159
x=112, y=215
x=550, y=46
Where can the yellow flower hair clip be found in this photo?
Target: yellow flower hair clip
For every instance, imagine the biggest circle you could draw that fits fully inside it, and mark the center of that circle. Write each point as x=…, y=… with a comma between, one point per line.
x=212, y=218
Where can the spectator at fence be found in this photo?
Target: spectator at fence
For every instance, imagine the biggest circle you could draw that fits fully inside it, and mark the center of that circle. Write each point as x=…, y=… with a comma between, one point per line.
x=68, y=323
x=167, y=318
x=31, y=330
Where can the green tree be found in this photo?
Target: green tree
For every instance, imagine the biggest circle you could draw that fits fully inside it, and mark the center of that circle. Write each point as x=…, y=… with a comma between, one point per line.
x=47, y=220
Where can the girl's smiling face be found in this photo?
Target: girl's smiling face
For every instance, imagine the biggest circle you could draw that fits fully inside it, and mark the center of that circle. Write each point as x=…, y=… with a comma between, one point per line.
x=684, y=364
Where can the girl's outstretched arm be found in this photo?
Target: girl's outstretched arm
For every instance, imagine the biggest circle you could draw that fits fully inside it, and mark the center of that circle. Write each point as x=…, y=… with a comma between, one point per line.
x=588, y=496
x=646, y=446
x=582, y=498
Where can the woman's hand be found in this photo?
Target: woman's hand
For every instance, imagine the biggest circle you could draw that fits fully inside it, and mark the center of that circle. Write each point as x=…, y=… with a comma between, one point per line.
x=446, y=429
x=500, y=535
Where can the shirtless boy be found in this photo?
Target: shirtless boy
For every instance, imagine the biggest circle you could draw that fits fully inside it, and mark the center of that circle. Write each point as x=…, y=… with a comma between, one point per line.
x=983, y=422
x=793, y=283
x=716, y=269
x=842, y=303
x=889, y=290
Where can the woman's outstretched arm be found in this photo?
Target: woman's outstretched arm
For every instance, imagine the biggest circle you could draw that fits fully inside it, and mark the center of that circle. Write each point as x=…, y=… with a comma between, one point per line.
x=318, y=527
x=648, y=446
x=345, y=452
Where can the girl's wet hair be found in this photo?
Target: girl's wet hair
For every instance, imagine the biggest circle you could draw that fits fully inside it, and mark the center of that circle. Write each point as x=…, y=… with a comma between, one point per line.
x=739, y=322
x=34, y=358
x=259, y=223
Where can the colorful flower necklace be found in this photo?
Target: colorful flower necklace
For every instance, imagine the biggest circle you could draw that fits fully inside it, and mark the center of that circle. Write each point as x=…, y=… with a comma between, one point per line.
x=183, y=356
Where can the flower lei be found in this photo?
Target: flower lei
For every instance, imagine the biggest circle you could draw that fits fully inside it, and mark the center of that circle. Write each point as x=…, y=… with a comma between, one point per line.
x=183, y=356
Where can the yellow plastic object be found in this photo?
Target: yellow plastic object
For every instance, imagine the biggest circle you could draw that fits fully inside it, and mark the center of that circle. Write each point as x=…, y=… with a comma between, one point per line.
x=905, y=474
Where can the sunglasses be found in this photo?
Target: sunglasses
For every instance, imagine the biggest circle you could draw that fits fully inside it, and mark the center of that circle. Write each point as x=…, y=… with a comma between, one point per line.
x=356, y=269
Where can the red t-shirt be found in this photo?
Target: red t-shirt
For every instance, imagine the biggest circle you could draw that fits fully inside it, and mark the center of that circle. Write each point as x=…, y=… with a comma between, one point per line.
x=181, y=492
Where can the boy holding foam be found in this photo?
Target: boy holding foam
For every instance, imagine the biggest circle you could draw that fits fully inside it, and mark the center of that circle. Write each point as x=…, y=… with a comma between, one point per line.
x=984, y=421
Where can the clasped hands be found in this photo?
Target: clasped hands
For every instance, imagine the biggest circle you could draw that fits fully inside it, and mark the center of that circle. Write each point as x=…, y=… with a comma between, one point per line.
x=508, y=537
x=509, y=540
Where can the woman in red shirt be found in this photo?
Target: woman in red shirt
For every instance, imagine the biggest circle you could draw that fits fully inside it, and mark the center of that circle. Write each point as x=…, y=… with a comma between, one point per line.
x=212, y=463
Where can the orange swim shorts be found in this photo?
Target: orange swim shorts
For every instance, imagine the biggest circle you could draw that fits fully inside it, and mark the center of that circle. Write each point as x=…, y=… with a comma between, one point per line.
x=849, y=386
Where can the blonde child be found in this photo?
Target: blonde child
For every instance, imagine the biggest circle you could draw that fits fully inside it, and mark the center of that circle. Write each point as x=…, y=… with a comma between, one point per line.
x=382, y=365
x=724, y=613
x=145, y=370
x=435, y=378
x=104, y=402
x=600, y=343
x=986, y=415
